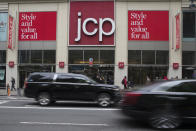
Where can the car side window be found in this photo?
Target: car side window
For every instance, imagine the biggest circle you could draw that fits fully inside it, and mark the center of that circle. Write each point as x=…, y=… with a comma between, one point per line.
x=41, y=78
x=71, y=79
x=184, y=87
x=79, y=79
x=64, y=78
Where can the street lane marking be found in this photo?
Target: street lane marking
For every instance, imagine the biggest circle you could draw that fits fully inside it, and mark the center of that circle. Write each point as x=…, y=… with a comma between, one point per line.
x=66, y=124
x=59, y=108
x=2, y=102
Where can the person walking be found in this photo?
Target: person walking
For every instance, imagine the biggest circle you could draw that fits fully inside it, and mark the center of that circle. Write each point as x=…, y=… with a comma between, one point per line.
x=13, y=84
x=124, y=82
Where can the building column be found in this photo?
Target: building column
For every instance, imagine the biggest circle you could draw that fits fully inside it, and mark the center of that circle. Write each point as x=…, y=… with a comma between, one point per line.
x=175, y=55
x=62, y=37
x=121, y=51
x=12, y=54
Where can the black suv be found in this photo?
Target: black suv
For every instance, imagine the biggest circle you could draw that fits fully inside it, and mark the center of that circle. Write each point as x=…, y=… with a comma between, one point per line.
x=46, y=88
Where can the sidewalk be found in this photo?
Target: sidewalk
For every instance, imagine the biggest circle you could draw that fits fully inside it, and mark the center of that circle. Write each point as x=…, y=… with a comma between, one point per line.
x=3, y=92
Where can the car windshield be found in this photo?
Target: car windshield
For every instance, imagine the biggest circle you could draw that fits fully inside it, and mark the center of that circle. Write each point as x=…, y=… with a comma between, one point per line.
x=164, y=86
x=158, y=86
x=147, y=87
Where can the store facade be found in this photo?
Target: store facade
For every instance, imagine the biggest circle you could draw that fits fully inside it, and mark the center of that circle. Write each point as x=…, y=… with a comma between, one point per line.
x=105, y=40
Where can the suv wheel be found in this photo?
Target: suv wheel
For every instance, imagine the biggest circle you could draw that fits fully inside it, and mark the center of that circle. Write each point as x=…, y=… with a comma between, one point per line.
x=165, y=120
x=104, y=99
x=44, y=98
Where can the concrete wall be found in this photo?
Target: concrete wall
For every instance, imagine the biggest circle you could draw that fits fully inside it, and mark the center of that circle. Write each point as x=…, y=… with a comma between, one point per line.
x=62, y=36
x=175, y=56
x=121, y=52
x=12, y=53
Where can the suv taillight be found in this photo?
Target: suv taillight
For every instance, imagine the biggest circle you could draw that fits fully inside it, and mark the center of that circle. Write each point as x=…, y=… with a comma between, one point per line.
x=131, y=98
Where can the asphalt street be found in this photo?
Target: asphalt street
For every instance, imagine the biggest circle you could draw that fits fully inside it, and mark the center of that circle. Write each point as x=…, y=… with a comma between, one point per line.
x=21, y=114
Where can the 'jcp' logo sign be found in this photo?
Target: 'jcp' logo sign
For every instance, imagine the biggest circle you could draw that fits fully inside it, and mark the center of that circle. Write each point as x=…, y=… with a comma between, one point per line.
x=91, y=23
x=100, y=29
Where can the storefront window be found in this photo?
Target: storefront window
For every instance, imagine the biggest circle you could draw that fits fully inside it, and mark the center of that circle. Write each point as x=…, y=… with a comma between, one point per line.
x=2, y=56
x=188, y=57
x=189, y=24
x=36, y=56
x=138, y=75
x=49, y=56
x=91, y=54
x=148, y=57
x=75, y=56
x=2, y=76
x=98, y=73
x=106, y=57
x=24, y=56
x=102, y=69
x=134, y=57
x=162, y=57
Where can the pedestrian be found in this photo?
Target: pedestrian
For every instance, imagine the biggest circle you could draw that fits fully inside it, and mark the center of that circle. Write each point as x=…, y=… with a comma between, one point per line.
x=165, y=78
x=176, y=78
x=148, y=80
x=130, y=84
x=13, y=84
x=124, y=82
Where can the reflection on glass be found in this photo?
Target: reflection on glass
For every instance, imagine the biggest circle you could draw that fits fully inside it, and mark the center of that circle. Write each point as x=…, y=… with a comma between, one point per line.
x=106, y=57
x=36, y=56
x=162, y=57
x=75, y=56
x=134, y=57
x=49, y=56
x=148, y=57
x=91, y=54
x=24, y=56
x=188, y=57
x=189, y=24
x=2, y=56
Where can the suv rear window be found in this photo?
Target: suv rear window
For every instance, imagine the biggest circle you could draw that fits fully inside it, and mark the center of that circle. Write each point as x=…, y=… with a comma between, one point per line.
x=41, y=78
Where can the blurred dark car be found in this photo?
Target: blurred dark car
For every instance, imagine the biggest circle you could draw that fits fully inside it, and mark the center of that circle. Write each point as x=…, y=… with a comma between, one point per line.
x=164, y=104
x=47, y=88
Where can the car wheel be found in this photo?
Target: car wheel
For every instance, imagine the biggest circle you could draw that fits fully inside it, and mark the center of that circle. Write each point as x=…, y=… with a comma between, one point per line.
x=104, y=99
x=165, y=120
x=44, y=98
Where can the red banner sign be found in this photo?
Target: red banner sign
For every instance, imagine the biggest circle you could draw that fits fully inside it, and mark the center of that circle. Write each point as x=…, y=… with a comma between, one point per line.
x=37, y=26
x=10, y=38
x=148, y=25
x=91, y=23
x=178, y=31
